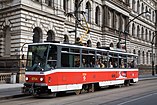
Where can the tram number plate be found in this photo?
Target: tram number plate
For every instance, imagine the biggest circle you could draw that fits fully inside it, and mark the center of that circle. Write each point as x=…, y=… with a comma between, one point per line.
x=34, y=79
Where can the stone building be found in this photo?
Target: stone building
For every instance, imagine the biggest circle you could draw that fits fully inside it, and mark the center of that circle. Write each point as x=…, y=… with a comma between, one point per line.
x=34, y=21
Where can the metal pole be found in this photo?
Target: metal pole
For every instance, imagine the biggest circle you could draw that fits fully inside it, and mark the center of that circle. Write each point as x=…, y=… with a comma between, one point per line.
x=77, y=5
x=153, y=54
x=152, y=59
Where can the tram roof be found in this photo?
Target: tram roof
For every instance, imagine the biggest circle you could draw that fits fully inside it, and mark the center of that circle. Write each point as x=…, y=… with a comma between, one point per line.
x=112, y=50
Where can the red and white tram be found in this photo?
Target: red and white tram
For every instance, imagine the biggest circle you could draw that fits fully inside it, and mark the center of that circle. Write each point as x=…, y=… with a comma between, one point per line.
x=55, y=67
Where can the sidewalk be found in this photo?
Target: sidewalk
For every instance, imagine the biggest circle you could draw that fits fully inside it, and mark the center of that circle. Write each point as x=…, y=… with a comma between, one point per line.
x=14, y=90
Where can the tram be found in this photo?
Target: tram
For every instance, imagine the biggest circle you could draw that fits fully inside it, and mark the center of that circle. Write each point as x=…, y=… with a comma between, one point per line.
x=54, y=67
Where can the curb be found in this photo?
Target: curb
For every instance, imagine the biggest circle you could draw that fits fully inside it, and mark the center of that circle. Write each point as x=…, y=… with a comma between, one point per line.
x=149, y=78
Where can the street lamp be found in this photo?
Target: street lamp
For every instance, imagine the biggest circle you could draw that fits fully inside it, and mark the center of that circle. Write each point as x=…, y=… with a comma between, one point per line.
x=126, y=28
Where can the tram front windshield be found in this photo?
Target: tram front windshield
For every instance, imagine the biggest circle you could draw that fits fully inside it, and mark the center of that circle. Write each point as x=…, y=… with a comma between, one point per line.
x=37, y=58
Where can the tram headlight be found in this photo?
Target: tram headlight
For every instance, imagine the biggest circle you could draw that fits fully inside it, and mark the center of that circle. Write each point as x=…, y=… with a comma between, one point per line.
x=41, y=79
x=26, y=78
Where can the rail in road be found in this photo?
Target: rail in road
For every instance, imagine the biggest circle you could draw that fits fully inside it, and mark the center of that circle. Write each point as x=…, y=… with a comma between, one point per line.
x=144, y=92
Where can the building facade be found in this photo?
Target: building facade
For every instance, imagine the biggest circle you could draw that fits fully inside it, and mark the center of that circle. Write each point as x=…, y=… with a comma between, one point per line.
x=34, y=21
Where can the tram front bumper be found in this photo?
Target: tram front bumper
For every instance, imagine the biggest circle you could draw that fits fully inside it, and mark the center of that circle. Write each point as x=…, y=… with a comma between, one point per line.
x=35, y=88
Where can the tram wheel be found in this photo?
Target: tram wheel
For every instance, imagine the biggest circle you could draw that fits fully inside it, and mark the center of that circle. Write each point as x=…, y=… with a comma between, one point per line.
x=91, y=88
x=77, y=92
x=127, y=83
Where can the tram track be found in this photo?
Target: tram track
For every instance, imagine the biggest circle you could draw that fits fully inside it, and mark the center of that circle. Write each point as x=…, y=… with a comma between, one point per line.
x=147, y=85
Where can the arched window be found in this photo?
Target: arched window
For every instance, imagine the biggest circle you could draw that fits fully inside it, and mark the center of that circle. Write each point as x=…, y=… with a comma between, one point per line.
x=48, y=2
x=88, y=11
x=98, y=44
x=134, y=51
x=66, y=39
x=50, y=36
x=123, y=24
x=110, y=19
x=97, y=16
x=89, y=43
x=7, y=41
x=37, y=35
x=143, y=57
x=147, y=57
x=65, y=5
x=153, y=16
x=116, y=22
x=139, y=56
x=138, y=31
x=142, y=8
x=150, y=36
x=133, y=5
x=111, y=45
x=133, y=29
x=146, y=35
x=142, y=34
x=118, y=45
x=138, y=6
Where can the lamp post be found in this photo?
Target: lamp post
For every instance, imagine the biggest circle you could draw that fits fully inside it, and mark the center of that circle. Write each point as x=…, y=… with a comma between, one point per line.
x=126, y=28
x=77, y=5
x=152, y=52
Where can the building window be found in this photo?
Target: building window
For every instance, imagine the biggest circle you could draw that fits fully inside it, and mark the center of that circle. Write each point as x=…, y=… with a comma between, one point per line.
x=117, y=22
x=143, y=57
x=50, y=36
x=133, y=5
x=48, y=2
x=89, y=43
x=37, y=0
x=110, y=19
x=97, y=16
x=7, y=41
x=134, y=51
x=65, y=5
x=138, y=6
x=111, y=45
x=142, y=34
x=37, y=35
x=147, y=57
x=139, y=56
x=88, y=12
x=146, y=35
x=123, y=24
x=98, y=44
x=153, y=16
x=142, y=8
x=133, y=29
x=66, y=39
x=138, y=31
x=150, y=36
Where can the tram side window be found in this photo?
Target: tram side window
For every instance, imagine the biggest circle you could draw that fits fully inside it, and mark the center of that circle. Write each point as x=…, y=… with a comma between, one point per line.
x=88, y=60
x=101, y=60
x=52, y=57
x=70, y=57
x=123, y=62
x=113, y=61
x=132, y=62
